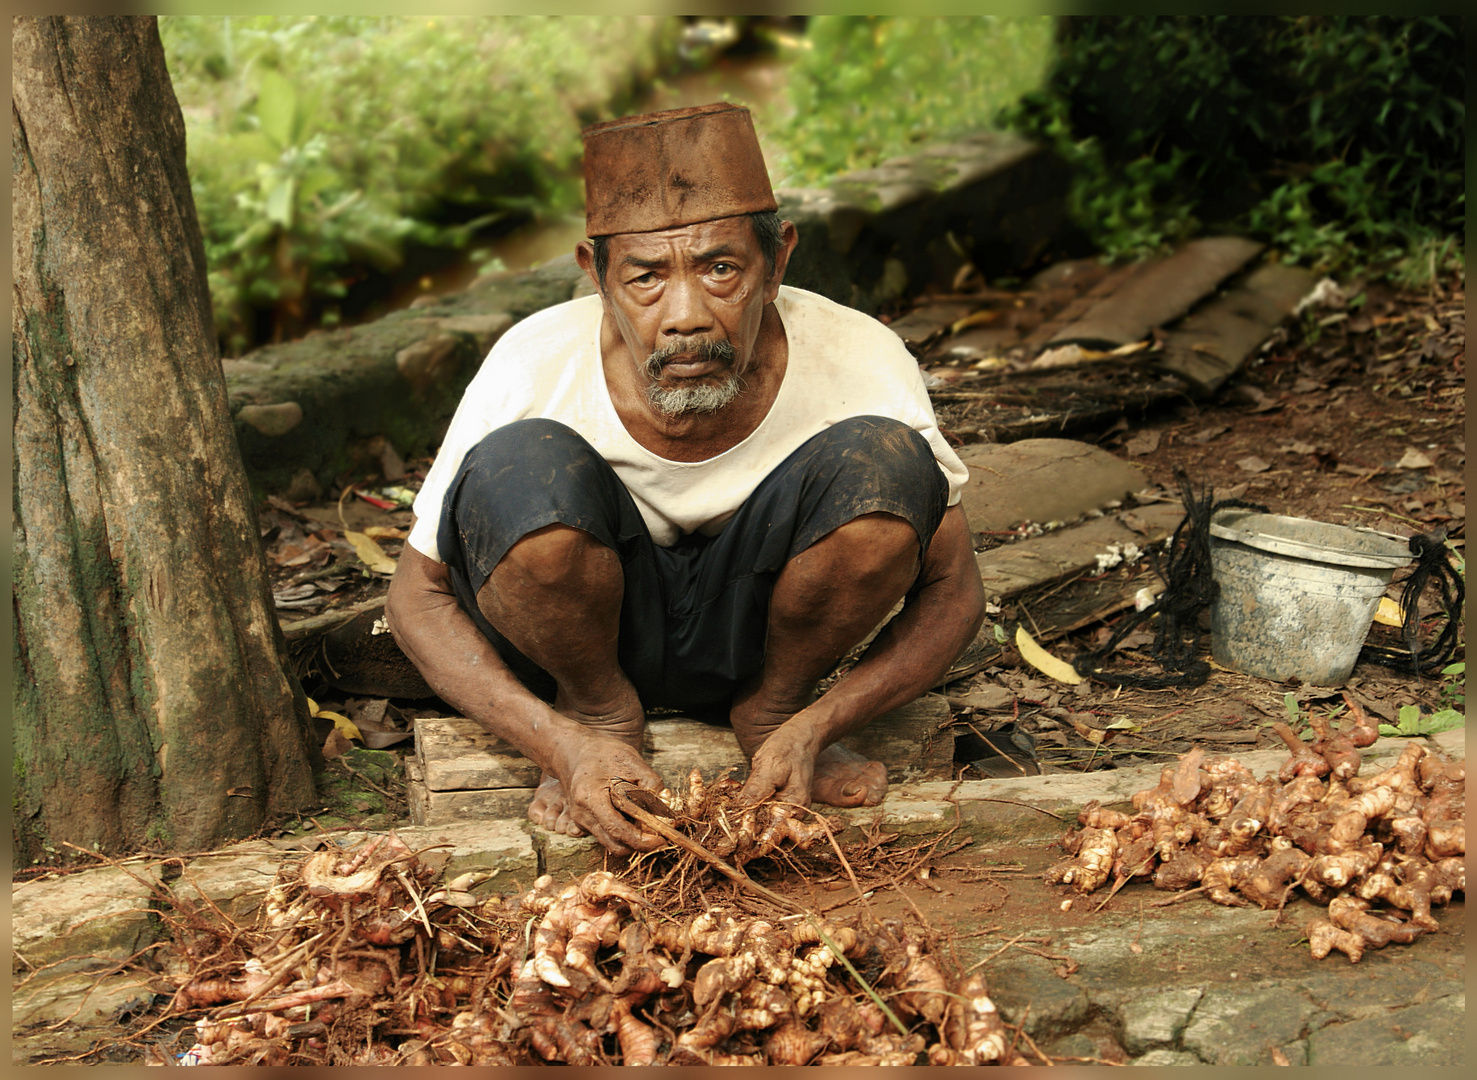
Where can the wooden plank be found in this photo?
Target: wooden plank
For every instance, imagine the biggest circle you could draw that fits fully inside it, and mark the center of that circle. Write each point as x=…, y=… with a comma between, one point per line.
x=1210, y=344
x=1160, y=292
x=1053, y=611
x=923, y=323
x=1010, y=570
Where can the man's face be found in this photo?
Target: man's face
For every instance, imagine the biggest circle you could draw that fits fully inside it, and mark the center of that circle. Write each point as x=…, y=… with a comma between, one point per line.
x=688, y=303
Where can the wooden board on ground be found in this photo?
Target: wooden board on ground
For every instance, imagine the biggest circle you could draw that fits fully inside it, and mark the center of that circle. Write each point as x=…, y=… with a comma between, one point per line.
x=1160, y=292
x=463, y=773
x=1055, y=610
x=1010, y=570
x=1210, y=344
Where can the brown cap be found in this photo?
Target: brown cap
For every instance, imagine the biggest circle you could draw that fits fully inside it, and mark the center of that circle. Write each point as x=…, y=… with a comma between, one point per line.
x=673, y=168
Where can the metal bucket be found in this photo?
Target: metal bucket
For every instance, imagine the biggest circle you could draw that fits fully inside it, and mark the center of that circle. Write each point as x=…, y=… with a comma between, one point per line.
x=1296, y=596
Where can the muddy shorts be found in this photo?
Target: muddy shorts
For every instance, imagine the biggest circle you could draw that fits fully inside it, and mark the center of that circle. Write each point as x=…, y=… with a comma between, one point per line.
x=693, y=615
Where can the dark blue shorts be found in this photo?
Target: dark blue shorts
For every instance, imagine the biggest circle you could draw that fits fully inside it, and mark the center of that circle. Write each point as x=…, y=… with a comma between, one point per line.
x=694, y=615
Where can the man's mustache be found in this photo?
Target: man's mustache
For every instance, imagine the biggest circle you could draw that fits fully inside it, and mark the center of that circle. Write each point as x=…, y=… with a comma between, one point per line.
x=705, y=348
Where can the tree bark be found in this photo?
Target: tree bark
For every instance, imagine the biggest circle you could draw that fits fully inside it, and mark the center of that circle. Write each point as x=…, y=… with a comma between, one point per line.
x=151, y=704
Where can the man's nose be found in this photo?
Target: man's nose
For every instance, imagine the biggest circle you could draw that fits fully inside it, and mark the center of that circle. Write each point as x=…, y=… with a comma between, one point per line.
x=685, y=310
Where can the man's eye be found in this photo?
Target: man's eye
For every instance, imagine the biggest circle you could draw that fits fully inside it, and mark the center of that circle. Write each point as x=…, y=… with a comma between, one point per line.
x=645, y=279
x=722, y=269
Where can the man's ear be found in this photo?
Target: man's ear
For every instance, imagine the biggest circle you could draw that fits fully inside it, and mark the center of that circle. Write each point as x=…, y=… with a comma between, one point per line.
x=789, y=237
x=584, y=254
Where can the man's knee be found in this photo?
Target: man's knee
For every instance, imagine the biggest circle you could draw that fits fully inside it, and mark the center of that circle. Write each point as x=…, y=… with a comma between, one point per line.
x=557, y=556
x=539, y=450
x=894, y=456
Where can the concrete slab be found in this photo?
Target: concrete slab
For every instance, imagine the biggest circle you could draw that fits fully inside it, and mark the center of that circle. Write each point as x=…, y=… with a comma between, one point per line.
x=81, y=920
x=504, y=846
x=236, y=881
x=76, y=999
x=1041, y=480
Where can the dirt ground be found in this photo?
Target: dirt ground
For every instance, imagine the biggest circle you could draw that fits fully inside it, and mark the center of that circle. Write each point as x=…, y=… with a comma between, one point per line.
x=1353, y=413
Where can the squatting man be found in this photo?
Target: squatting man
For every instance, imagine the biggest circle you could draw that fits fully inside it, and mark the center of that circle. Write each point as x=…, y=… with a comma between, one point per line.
x=696, y=488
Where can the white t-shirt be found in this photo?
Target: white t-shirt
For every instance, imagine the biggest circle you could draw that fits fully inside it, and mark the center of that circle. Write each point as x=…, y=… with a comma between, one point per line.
x=841, y=364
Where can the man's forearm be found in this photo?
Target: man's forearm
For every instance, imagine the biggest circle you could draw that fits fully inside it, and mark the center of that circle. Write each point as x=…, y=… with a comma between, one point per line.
x=462, y=667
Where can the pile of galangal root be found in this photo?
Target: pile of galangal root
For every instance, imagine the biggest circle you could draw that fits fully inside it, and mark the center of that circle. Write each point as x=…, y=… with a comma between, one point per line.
x=1379, y=852
x=361, y=957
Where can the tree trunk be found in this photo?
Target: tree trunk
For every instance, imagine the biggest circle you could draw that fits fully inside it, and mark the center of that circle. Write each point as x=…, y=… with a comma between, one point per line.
x=151, y=705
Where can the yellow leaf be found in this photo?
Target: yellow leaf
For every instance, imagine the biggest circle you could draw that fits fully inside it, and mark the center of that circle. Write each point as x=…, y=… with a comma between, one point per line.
x=385, y=532
x=1389, y=613
x=370, y=553
x=342, y=724
x=312, y=707
x=978, y=318
x=1042, y=660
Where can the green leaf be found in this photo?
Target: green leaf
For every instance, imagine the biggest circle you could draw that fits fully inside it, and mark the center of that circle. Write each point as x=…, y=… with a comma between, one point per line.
x=279, y=202
x=1445, y=720
x=1290, y=703
x=1410, y=719
x=1391, y=730
x=276, y=108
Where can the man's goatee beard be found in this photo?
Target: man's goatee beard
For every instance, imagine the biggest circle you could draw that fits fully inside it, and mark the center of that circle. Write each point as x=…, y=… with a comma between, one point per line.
x=701, y=398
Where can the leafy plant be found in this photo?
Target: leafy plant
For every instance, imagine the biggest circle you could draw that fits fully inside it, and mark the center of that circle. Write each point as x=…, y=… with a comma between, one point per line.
x=1336, y=139
x=1413, y=723
x=321, y=148
x=863, y=88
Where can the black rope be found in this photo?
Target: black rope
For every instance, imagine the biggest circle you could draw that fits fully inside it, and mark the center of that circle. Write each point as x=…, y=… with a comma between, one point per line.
x=1189, y=589
x=1431, y=564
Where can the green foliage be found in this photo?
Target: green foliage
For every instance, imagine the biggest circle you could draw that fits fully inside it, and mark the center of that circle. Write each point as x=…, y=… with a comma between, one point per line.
x=1454, y=685
x=863, y=88
x=1338, y=139
x=320, y=147
x=1413, y=723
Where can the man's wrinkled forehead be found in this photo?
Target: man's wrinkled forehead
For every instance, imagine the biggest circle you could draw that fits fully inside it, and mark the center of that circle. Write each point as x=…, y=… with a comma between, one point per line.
x=704, y=241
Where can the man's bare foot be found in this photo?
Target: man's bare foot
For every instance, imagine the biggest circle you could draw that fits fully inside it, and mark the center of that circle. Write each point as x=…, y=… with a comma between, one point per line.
x=550, y=809
x=845, y=778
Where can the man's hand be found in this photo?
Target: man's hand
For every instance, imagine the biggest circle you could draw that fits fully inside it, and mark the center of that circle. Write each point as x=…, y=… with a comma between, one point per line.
x=784, y=767
x=586, y=781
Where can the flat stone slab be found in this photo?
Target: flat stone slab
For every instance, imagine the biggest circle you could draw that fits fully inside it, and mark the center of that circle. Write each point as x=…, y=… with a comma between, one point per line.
x=78, y=998
x=236, y=881
x=1041, y=480
x=1418, y=1035
x=81, y=920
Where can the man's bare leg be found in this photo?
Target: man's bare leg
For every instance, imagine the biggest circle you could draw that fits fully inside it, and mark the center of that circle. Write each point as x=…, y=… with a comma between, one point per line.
x=825, y=601
x=556, y=595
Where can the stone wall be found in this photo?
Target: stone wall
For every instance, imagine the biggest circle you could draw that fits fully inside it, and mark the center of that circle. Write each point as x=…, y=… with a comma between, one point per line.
x=307, y=410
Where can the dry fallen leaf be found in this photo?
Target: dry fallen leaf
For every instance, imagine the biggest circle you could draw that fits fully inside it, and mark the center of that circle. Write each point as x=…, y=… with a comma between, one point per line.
x=370, y=553
x=1389, y=613
x=341, y=723
x=1253, y=463
x=1414, y=459
x=1042, y=660
x=385, y=532
x=336, y=746
x=1145, y=442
